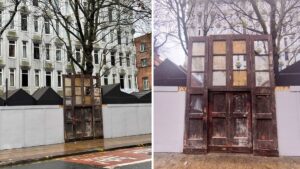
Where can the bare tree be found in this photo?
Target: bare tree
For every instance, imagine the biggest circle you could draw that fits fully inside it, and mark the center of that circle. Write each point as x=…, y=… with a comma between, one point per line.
x=89, y=22
x=279, y=18
x=13, y=6
x=182, y=19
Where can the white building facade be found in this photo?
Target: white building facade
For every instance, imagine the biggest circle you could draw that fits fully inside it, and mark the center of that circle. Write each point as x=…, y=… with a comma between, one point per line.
x=31, y=56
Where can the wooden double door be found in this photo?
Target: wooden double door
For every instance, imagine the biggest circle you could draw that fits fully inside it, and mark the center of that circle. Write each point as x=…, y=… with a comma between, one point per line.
x=229, y=122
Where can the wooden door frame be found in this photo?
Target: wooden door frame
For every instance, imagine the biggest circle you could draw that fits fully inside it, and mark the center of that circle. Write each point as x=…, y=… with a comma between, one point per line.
x=229, y=148
x=261, y=146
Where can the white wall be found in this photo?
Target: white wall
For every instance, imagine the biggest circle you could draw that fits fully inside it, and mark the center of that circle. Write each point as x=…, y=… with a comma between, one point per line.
x=169, y=108
x=26, y=126
x=288, y=121
x=126, y=119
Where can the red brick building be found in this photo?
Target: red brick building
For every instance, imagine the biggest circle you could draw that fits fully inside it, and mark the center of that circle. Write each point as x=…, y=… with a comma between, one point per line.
x=143, y=61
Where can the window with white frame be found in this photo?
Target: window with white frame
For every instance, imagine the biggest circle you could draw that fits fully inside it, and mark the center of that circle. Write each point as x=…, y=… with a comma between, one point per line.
x=36, y=23
x=0, y=18
x=48, y=79
x=23, y=22
x=66, y=6
x=142, y=47
x=96, y=56
x=47, y=26
x=145, y=83
x=12, y=48
x=36, y=50
x=58, y=53
x=37, y=78
x=114, y=78
x=11, y=77
x=59, y=79
x=24, y=78
x=24, y=49
x=77, y=54
x=57, y=27
x=1, y=77
x=129, y=81
x=121, y=58
x=0, y=46
x=12, y=23
x=47, y=51
x=127, y=60
x=122, y=85
x=112, y=58
x=105, y=78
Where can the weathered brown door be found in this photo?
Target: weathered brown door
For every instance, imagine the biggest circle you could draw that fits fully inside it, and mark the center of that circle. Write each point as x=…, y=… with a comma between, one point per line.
x=230, y=122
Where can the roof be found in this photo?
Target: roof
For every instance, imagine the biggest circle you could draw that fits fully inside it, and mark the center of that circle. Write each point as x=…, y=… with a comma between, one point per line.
x=169, y=74
x=141, y=94
x=18, y=97
x=111, y=94
x=47, y=96
x=289, y=76
x=144, y=96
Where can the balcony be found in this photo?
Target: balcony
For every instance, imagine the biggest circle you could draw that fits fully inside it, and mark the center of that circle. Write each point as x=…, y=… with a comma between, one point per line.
x=48, y=66
x=12, y=35
x=25, y=65
x=2, y=64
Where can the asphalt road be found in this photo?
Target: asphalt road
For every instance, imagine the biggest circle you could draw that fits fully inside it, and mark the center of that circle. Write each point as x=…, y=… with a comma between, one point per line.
x=130, y=158
x=55, y=164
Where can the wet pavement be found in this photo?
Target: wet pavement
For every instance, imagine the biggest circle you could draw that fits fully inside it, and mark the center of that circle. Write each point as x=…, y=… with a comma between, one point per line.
x=31, y=154
x=130, y=158
x=223, y=161
x=66, y=165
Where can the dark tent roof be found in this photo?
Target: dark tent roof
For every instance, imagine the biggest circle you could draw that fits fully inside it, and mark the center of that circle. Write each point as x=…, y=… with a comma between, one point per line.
x=2, y=101
x=18, y=97
x=111, y=94
x=47, y=96
x=289, y=76
x=169, y=74
x=144, y=97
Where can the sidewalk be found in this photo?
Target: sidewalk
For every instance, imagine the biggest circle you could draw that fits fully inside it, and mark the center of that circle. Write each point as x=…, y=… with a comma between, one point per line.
x=31, y=154
x=223, y=161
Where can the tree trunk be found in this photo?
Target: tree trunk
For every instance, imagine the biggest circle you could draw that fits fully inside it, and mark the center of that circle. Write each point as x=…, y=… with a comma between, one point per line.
x=89, y=61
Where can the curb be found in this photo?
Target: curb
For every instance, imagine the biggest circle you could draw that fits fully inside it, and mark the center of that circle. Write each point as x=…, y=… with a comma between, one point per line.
x=94, y=150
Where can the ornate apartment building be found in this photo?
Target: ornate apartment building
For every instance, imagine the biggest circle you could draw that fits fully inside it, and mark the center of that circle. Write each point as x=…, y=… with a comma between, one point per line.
x=289, y=43
x=31, y=56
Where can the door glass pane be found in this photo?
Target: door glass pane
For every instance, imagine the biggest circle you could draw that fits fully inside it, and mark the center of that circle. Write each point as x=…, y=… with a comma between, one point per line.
x=196, y=104
x=261, y=47
x=219, y=47
x=239, y=62
x=197, y=79
x=261, y=62
x=197, y=63
x=263, y=104
x=198, y=49
x=219, y=78
x=67, y=81
x=239, y=47
x=195, y=129
x=68, y=91
x=240, y=78
x=262, y=79
x=219, y=62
